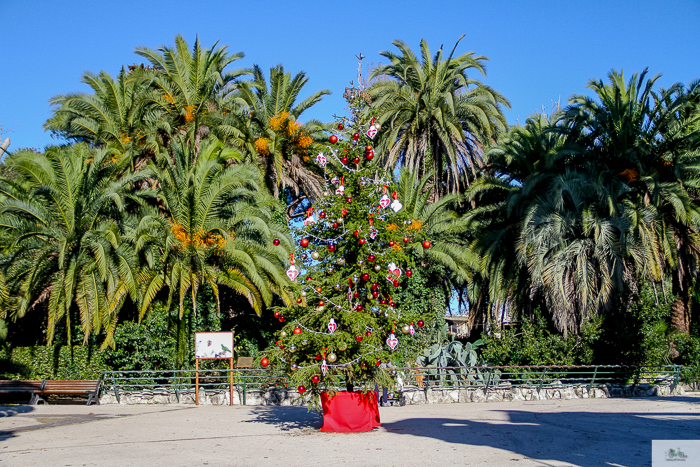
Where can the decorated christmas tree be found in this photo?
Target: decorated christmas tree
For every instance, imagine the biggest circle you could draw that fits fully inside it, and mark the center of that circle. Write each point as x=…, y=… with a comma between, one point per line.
x=349, y=263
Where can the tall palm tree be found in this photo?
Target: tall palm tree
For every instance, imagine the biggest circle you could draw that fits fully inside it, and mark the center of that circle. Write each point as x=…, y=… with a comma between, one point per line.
x=434, y=117
x=648, y=140
x=273, y=134
x=61, y=223
x=217, y=230
x=185, y=87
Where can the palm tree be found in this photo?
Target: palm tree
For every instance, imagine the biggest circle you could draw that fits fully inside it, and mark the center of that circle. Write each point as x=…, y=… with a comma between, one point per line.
x=185, y=88
x=103, y=117
x=61, y=223
x=433, y=116
x=217, y=230
x=648, y=140
x=270, y=130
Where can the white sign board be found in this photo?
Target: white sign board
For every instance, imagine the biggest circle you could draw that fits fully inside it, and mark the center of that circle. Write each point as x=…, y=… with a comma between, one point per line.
x=213, y=345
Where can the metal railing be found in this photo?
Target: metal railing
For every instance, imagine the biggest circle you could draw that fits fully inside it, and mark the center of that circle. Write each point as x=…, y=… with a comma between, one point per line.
x=485, y=377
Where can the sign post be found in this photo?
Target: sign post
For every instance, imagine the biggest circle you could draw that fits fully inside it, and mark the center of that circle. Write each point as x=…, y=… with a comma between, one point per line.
x=209, y=346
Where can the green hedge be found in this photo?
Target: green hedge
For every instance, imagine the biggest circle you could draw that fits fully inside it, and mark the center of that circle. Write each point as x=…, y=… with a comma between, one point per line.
x=40, y=362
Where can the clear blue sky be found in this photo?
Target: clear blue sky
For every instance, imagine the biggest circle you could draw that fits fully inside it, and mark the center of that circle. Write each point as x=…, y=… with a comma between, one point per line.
x=538, y=50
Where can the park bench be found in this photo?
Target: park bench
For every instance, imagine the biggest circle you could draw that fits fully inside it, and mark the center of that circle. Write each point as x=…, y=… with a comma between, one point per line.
x=14, y=387
x=90, y=388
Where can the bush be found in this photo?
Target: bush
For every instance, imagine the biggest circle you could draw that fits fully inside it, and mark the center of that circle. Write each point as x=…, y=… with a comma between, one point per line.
x=41, y=362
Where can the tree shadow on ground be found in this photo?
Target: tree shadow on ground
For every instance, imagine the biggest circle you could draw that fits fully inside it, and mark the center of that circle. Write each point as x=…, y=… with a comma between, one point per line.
x=11, y=411
x=286, y=418
x=580, y=438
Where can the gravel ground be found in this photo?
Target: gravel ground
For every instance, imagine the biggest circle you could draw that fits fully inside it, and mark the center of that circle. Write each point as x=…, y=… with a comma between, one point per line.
x=589, y=432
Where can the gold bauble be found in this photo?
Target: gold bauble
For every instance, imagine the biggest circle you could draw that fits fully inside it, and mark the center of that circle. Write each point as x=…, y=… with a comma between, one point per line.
x=331, y=357
x=340, y=261
x=303, y=293
x=315, y=255
x=405, y=329
x=377, y=268
x=342, y=346
x=283, y=334
x=336, y=286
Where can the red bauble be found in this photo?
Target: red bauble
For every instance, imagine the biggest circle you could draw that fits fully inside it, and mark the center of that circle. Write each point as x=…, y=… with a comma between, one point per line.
x=264, y=362
x=358, y=338
x=340, y=126
x=375, y=286
x=318, y=357
x=344, y=160
x=297, y=331
x=322, y=215
x=426, y=244
x=321, y=303
x=396, y=283
x=348, y=199
x=420, y=323
x=335, y=225
x=365, y=276
x=368, y=148
x=371, y=258
x=356, y=160
x=360, y=308
x=298, y=300
x=379, y=362
x=364, y=365
x=368, y=333
x=392, y=243
x=301, y=389
x=331, y=248
x=382, y=302
x=308, y=278
x=362, y=241
x=406, y=240
x=370, y=156
x=375, y=294
x=318, y=289
x=409, y=273
x=392, y=304
x=304, y=242
x=315, y=379
x=356, y=233
x=333, y=139
x=275, y=242
x=355, y=136
x=281, y=318
x=277, y=313
x=356, y=295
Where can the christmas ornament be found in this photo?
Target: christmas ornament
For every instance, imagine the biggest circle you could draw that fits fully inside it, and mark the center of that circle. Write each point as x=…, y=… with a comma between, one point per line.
x=315, y=379
x=420, y=323
x=315, y=255
x=377, y=268
x=375, y=286
x=372, y=132
x=333, y=139
x=405, y=329
x=340, y=191
x=303, y=294
x=324, y=367
x=392, y=341
x=426, y=244
x=349, y=200
x=283, y=334
x=335, y=180
x=392, y=243
x=335, y=225
x=322, y=215
x=365, y=276
x=358, y=338
x=304, y=342
x=321, y=303
x=409, y=273
x=301, y=389
x=373, y=233
x=356, y=160
x=397, y=283
x=362, y=241
x=318, y=357
x=370, y=156
x=360, y=262
x=384, y=201
x=368, y=148
x=360, y=308
x=332, y=326
x=296, y=331
x=292, y=348
x=321, y=160
x=355, y=136
x=277, y=313
x=292, y=272
x=304, y=242
x=331, y=247
x=396, y=204
x=378, y=362
x=336, y=286
x=406, y=240
x=275, y=242
x=332, y=357
x=299, y=300
x=355, y=279
x=340, y=126
x=281, y=319
x=344, y=161
x=371, y=258
x=340, y=261
x=295, y=366
x=309, y=217
x=264, y=362
x=368, y=333
x=411, y=329
x=342, y=346
x=330, y=270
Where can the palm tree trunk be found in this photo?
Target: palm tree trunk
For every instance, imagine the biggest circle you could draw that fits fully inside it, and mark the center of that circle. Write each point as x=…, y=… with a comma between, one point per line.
x=680, y=313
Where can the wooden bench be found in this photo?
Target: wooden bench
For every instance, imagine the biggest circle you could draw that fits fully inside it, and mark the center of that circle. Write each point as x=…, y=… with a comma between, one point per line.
x=13, y=387
x=90, y=388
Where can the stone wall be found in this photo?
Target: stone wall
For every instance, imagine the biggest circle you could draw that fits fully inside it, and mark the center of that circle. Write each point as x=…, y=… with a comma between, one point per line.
x=409, y=396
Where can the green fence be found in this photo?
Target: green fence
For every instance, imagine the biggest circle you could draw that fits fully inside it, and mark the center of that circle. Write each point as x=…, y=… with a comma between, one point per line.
x=485, y=377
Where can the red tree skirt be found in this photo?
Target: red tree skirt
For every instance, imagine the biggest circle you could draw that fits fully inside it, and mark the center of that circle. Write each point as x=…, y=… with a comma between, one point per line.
x=350, y=412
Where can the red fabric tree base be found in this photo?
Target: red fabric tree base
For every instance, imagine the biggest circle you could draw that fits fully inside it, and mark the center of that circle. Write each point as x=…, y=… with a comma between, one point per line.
x=350, y=412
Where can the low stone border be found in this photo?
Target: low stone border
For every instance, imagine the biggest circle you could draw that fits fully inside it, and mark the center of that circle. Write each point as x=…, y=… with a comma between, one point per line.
x=409, y=396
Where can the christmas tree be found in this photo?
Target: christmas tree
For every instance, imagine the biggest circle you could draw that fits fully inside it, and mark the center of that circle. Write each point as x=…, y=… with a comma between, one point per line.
x=350, y=261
